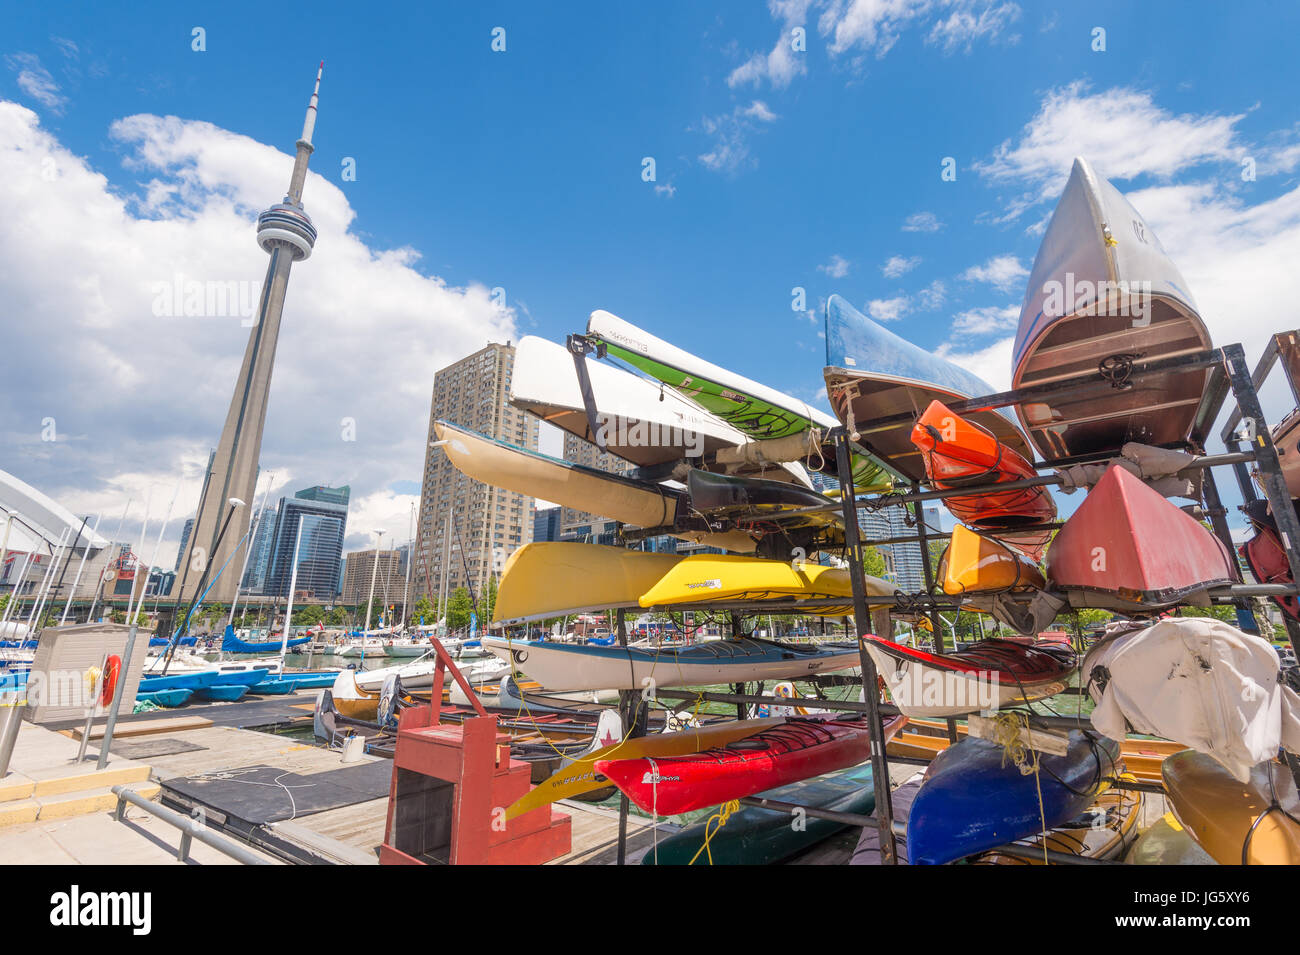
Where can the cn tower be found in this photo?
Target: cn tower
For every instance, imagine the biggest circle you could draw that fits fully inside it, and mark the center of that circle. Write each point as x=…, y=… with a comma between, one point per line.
x=284, y=232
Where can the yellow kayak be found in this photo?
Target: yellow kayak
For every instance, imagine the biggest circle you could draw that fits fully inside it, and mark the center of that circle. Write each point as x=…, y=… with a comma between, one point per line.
x=579, y=776
x=715, y=577
x=977, y=564
x=554, y=579
x=1220, y=811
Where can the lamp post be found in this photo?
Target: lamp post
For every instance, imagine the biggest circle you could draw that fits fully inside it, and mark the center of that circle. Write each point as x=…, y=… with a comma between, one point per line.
x=374, y=570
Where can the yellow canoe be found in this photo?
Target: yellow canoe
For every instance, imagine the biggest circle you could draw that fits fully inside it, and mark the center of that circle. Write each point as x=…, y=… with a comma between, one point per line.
x=977, y=564
x=579, y=776
x=1220, y=811
x=554, y=579
x=708, y=578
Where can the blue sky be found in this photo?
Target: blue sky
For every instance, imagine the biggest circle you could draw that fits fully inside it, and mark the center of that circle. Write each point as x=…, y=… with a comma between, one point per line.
x=522, y=170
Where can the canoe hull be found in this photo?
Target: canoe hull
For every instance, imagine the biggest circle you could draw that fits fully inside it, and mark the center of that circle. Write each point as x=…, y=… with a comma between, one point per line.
x=975, y=564
x=1102, y=286
x=1128, y=548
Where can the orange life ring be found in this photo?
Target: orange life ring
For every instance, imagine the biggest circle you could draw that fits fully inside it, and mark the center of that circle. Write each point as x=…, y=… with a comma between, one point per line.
x=108, y=684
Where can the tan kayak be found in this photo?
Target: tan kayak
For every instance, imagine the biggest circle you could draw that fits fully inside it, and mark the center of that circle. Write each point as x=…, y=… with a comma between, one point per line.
x=553, y=579
x=1224, y=815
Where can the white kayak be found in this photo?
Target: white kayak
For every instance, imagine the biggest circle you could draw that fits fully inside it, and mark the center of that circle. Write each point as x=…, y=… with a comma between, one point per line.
x=566, y=667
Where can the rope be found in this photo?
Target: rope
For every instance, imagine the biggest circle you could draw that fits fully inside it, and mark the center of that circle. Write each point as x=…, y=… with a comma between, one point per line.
x=1007, y=734
x=715, y=822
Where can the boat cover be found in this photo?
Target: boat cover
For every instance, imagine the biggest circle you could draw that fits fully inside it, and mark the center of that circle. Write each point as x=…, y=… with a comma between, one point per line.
x=1161, y=469
x=1200, y=682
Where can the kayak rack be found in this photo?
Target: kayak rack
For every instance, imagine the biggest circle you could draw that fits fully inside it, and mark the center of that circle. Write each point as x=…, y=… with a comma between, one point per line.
x=1228, y=376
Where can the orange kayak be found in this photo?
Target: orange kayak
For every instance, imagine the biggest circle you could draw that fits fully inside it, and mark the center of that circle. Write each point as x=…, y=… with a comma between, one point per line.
x=959, y=453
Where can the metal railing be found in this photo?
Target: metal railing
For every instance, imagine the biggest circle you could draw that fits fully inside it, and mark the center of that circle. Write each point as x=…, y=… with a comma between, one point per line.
x=191, y=829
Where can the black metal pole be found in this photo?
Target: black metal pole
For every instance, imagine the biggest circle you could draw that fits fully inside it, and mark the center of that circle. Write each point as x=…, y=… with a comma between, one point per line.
x=62, y=573
x=862, y=621
x=1218, y=521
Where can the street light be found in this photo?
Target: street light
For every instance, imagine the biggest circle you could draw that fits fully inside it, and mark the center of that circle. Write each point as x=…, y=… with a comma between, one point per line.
x=374, y=569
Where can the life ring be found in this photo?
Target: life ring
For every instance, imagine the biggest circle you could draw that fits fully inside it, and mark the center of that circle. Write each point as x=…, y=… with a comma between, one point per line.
x=108, y=684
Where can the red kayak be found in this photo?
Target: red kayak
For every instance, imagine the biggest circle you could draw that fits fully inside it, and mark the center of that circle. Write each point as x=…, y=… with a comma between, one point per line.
x=1127, y=548
x=960, y=453
x=798, y=749
x=1264, y=555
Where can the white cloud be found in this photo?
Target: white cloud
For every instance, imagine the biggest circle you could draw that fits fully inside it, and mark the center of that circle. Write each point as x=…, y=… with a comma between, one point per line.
x=363, y=329
x=922, y=222
x=897, y=265
x=1001, y=271
x=969, y=22
x=665, y=189
x=758, y=110
x=933, y=295
x=35, y=80
x=986, y=320
x=780, y=66
x=730, y=132
x=837, y=268
x=1122, y=131
x=870, y=26
x=889, y=309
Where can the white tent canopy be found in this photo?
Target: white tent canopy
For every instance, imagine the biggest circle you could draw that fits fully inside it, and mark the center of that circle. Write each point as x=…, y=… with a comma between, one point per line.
x=39, y=521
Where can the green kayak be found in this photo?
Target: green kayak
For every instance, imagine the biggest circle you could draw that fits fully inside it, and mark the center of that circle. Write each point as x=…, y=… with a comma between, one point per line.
x=764, y=836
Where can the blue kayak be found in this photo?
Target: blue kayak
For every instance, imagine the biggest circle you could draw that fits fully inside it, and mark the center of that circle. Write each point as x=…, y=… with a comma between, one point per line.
x=223, y=693
x=273, y=687
x=973, y=800
x=168, y=698
x=754, y=836
x=311, y=681
x=202, y=678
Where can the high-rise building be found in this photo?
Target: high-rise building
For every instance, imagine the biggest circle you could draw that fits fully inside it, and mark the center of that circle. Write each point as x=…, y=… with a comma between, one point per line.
x=388, y=579
x=488, y=523
x=323, y=521
x=259, y=560
x=185, y=539
x=576, y=524
x=285, y=232
x=902, y=560
x=546, y=523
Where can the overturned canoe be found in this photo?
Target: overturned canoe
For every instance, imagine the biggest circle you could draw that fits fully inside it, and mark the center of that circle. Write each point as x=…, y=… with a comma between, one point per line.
x=988, y=675
x=1127, y=548
x=1102, y=295
x=1251, y=823
x=800, y=748
x=871, y=374
x=562, y=666
x=960, y=453
x=975, y=799
x=559, y=578
x=762, y=413
x=756, y=836
x=1266, y=557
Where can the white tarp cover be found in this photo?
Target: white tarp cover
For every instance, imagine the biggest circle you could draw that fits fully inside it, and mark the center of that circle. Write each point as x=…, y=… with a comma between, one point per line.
x=1165, y=470
x=1199, y=682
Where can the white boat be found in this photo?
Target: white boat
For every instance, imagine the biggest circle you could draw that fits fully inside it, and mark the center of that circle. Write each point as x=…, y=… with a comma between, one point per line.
x=360, y=648
x=565, y=667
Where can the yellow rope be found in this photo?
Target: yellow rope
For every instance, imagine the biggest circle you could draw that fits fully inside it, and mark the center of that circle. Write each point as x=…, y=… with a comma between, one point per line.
x=710, y=829
x=1006, y=733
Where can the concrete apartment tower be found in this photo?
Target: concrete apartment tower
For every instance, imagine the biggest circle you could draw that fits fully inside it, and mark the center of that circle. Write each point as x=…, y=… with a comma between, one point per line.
x=286, y=233
x=488, y=523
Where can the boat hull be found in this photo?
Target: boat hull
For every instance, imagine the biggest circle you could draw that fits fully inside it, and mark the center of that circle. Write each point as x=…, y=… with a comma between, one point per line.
x=564, y=667
x=799, y=749
x=1128, y=548
x=872, y=373
x=973, y=799
x=1104, y=831
x=1086, y=303
x=975, y=564
x=991, y=675
x=1219, y=811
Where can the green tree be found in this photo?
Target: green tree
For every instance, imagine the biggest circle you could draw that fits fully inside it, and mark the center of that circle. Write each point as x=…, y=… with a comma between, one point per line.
x=309, y=616
x=489, y=602
x=422, y=610
x=458, y=609
x=873, y=562
x=337, y=617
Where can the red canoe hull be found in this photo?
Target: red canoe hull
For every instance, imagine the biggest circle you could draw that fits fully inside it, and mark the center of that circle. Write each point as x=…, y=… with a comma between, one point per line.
x=1267, y=561
x=960, y=453
x=797, y=750
x=1131, y=548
